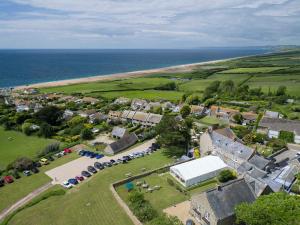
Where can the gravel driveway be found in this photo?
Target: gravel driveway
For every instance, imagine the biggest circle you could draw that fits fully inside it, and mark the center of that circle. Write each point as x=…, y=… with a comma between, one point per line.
x=74, y=168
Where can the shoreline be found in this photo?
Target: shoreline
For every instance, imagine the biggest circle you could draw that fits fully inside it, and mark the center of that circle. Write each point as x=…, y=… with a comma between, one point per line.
x=124, y=75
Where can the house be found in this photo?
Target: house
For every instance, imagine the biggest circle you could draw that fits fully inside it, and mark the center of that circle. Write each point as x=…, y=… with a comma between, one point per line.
x=137, y=117
x=198, y=170
x=30, y=91
x=271, y=114
x=122, y=101
x=197, y=110
x=138, y=104
x=90, y=100
x=97, y=117
x=22, y=108
x=221, y=143
x=222, y=112
x=118, y=132
x=125, y=142
x=152, y=105
x=140, y=118
x=153, y=119
x=114, y=115
x=216, y=206
x=249, y=118
x=273, y=126
x=86, y=113
x=68, y=114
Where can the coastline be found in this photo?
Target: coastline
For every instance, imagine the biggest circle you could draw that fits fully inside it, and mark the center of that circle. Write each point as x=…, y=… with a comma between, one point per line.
x=171, y=69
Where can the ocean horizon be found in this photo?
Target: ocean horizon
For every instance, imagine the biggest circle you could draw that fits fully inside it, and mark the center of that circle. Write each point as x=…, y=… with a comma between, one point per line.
x=30, y=66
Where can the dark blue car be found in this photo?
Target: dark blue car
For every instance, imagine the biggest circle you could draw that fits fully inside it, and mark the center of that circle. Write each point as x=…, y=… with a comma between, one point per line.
x=73, y=181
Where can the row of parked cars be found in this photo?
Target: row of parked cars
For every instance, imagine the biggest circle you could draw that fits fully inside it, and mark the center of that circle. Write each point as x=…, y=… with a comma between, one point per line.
x=100, y=166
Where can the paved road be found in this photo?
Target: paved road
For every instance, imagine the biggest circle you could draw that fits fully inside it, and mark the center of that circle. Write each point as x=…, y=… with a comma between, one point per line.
x=24, y=200
x=74, y=168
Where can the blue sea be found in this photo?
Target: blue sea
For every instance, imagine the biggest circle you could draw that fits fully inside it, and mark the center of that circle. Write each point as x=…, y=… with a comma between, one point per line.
x=22, y=67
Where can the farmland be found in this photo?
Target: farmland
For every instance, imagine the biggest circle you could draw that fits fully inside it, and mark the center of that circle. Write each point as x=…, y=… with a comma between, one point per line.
x=15, y=144
x=91, y=202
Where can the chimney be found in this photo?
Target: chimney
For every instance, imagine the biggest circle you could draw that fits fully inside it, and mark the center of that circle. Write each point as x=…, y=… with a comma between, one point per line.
x=219, y=188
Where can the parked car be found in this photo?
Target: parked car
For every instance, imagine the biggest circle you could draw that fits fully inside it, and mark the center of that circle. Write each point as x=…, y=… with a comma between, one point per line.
x=1, y=182
x=73, y=181
x=98, y=165
x=79, y=178
x=81, y=152
x=86, y=174
x=121, y=161
x=189, y=222
x=50, y=158
x=113, y=161
x=92, y=155
x=67, y=185
x=26, y=173
x=8, y=179
x=37, y=164
x=67, y=151
x=58, y=155
x=92, y=169
x=44, y=161
x=99, y=156
x=107, y=164
x=34, y=170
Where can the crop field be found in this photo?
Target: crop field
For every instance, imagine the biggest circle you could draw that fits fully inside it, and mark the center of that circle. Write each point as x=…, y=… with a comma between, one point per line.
x=11, y=193
x=14, y=144
x=90, y=203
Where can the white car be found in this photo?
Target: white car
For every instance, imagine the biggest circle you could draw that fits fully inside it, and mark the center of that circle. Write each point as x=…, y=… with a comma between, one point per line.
x=67, y=185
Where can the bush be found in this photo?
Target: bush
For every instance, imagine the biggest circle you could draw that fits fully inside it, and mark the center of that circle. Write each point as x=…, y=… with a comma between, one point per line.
x=51, y=148
x=276, y=144
x=286, y=136
x=86, y=134
x=165, y=220
x=226, y=175
x=21, y=164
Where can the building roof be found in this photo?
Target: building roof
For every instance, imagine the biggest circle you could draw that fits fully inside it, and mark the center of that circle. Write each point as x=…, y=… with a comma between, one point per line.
x=223, y=200
x=249, y=115
x=257, y=185
x=90, y=99
x=114, y=113
x=140, y=116
x=196, y=108
x=259, y=161
x=126, y=141
x=230, y=146
x=227, y=132
x=277, y=124
x=271, y=114
x=198, y=167
x=118, y=131
x=154, y=118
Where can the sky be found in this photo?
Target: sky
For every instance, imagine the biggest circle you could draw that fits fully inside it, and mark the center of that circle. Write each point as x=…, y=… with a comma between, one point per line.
x=148, y=23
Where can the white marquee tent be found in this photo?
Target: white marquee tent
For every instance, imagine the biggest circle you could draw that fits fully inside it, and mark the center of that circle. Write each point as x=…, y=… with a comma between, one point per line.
x=198, y=170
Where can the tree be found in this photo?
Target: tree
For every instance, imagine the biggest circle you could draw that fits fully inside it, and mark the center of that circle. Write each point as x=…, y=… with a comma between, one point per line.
x=273, y=209
x=226, y=175
x=211, y=90
x=165, y=220
x=46, y=130
x=185, y=111
x=281, y=90
x=86, y=134
x=193, y=100
x=173, y=136
x=49, y=114
x=22, y=163
x=227, y=87
x=26, y=128
x=238, y=118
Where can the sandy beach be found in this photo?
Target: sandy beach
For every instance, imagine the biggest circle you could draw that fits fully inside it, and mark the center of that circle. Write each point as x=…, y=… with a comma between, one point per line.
x=171, y=69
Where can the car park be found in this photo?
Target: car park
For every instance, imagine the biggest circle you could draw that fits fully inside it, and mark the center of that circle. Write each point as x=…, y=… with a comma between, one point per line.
x=27, y=173
x=79, y=178
x=91, y=169
x=67, y=185
x=8, y=179
x=86, y=173
x=1, y=182
x=34, y=170
x=73, y=181
x=98, y=165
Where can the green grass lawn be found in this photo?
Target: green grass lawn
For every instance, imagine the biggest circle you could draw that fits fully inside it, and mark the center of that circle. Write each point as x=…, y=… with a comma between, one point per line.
x=211, y=120
x=14, y=144
x=90, y=203
x=11, y=193
x=254, y=70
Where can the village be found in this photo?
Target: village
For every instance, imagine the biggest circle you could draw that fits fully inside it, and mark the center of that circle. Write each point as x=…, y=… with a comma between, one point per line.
x=243, y=154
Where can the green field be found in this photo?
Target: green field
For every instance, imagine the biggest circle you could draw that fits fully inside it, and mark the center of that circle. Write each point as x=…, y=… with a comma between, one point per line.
x=14, y=144
x=253, y=70
x=11, y=193
x=90, y=203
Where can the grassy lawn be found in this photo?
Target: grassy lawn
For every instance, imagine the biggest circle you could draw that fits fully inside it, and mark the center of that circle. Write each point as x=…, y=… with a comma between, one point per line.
x=211, y=120
x=11, y=193
x=253, y=70
x=90, y=203
x=15, y=144
x=170, y=194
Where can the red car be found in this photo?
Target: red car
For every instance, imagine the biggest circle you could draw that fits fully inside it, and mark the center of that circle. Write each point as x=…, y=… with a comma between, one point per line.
x=8, y=179
x=67, y=150
x=79, y=178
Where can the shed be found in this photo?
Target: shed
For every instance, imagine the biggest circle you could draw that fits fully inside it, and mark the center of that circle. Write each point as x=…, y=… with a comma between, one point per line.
x=198, y=170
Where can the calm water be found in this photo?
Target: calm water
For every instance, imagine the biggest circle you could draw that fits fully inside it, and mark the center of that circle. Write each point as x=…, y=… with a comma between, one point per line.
x=19, y=67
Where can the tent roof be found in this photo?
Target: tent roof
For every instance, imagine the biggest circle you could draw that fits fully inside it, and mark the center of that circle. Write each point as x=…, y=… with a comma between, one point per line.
x=198, y=167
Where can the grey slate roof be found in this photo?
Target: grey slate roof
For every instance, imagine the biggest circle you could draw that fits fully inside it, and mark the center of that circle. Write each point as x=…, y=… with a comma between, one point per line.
x=259, y=162
x=118, y=132
x=232, y=147
x=224, y=201
x=126, y=141
x=277, y=124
